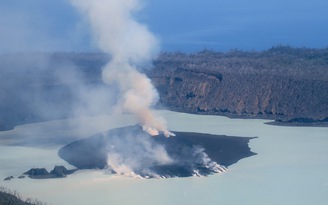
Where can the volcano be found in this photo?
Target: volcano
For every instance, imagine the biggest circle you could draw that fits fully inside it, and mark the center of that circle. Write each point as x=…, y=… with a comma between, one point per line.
x=132, y=151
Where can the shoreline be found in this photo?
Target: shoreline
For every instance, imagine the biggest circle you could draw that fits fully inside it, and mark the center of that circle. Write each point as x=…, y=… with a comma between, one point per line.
x=275, y=122
x=294, y=124
x=281, y=155
x=308, y=122
x=188, y=152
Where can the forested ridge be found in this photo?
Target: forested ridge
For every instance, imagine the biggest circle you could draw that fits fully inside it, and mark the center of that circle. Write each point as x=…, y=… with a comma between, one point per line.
x=283, y=83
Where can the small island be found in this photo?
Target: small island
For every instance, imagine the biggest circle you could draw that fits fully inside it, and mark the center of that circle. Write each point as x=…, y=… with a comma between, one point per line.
x=131, y=151
x=42, y=173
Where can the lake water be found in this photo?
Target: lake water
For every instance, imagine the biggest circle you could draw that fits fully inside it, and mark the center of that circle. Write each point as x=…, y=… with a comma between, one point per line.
x=290, y=168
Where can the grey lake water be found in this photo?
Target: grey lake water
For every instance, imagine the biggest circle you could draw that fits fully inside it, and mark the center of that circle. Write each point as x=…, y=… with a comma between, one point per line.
x=290, y=167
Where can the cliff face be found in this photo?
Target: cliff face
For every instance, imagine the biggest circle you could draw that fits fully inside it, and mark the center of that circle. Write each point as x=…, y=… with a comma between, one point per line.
x=265, y=86
x=275, y=97
x=282, y=83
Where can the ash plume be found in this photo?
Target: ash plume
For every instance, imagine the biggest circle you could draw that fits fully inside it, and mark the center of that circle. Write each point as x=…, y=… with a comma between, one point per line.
x=131, y=45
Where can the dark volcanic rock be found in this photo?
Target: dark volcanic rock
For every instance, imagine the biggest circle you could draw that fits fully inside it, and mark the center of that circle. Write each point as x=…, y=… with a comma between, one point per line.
x=184, y=155
x=61, y=171
x=42, y=173
x=35, y=172
x=8, y=178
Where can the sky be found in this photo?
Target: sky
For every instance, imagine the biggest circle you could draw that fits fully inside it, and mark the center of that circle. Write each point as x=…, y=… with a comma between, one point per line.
x=184, y=25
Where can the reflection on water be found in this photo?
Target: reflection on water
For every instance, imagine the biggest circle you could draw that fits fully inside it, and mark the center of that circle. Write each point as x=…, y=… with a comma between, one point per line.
x=290, y=167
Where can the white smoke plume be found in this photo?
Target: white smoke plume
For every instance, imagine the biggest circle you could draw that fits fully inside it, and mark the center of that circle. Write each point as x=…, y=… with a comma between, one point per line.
x=131, y=45
x=200, y=157
x=143, y=154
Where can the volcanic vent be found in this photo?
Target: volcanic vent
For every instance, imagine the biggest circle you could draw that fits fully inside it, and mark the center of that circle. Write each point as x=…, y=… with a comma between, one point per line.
x=133, y=152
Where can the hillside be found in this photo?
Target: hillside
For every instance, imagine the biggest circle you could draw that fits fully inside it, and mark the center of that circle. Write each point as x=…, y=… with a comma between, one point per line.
x=8, y=197
x=282, y=83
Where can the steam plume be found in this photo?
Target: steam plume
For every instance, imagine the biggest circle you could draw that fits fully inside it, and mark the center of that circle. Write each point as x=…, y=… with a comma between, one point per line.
x=130, y=45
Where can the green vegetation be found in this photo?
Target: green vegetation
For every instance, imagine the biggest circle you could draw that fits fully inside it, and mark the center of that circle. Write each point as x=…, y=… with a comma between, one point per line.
x=9, y=197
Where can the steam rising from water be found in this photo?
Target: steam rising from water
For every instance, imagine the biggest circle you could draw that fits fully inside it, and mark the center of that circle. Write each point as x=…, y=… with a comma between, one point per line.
x=131, y=46
x=135, y=154
x=129, y=151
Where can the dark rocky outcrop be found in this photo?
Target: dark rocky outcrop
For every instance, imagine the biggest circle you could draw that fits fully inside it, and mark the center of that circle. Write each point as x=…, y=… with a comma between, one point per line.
x=37, y=172
x=8, y=178
x=60, y=171
x=42, y=173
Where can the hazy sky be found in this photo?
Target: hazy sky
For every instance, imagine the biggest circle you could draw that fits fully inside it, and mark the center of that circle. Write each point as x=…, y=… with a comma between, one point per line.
x=185, y=25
